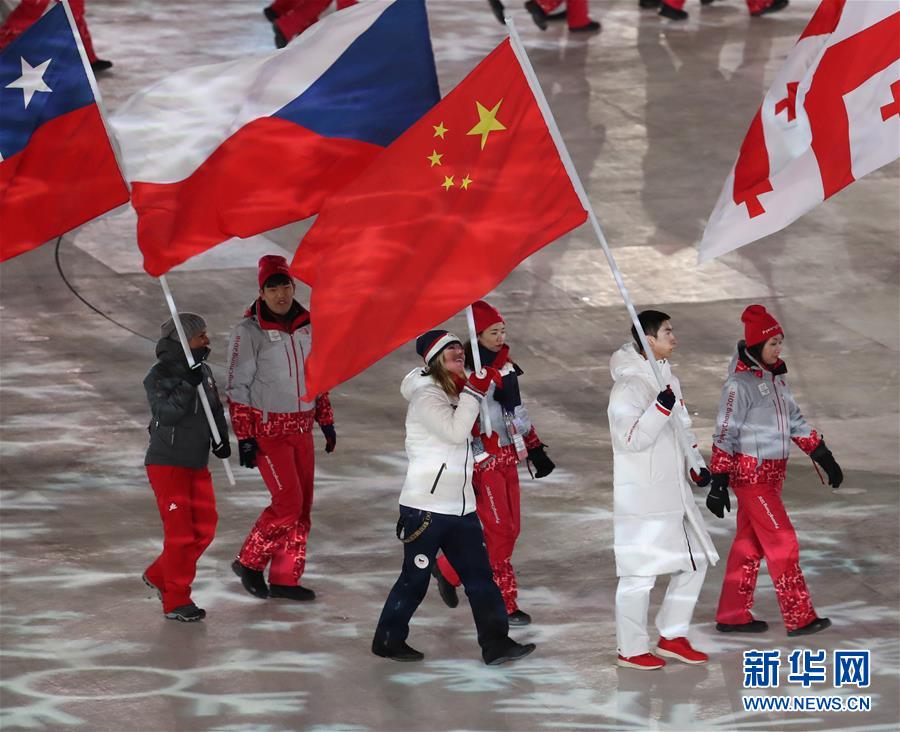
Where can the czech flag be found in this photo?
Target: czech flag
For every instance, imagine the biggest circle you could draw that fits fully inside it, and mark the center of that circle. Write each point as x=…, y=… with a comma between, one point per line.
x=239, y=148
x=57, y=166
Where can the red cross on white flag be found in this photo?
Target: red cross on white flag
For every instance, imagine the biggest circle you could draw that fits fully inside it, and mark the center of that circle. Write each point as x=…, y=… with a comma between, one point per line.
x=831, y=116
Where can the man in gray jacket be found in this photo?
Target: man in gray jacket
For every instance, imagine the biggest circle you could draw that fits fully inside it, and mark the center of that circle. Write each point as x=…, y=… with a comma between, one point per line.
x=272, y=417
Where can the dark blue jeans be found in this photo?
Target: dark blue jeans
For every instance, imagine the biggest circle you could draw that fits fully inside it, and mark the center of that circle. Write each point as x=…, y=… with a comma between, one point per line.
x=462, y=540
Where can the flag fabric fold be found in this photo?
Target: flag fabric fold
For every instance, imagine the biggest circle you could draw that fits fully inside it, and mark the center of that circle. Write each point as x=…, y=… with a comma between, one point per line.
x=235, y=149
x=435, y=223
x=57, y=165
x=831, y=116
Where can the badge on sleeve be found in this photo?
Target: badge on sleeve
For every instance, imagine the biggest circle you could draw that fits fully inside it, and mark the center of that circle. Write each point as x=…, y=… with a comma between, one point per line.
x=764, y=388
x=421, y=561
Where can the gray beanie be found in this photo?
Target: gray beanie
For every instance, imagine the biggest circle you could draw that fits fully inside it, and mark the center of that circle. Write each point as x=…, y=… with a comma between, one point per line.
x=192, y=323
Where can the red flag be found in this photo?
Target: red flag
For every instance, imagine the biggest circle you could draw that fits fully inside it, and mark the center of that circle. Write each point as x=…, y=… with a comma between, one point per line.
x=436, y=222
x=831, y=116
x=57, y=166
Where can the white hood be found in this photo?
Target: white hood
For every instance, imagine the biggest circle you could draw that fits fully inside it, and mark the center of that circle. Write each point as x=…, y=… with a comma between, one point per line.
x=628, y=362
x=414, y=381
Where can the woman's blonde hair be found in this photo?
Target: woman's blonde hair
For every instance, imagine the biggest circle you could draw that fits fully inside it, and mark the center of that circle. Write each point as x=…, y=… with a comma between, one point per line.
x=444, y=379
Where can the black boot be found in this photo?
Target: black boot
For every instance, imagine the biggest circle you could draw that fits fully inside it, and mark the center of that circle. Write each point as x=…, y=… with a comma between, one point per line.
x=292, y=592
x=252, y=580
x=537, y=14
x=152, y=586
x=498, y=9
x=280, y=40
x=445, y=589
x=667, y=11
x=189, y=613
x=506, y=650
x=754, y=626
x=592, y=26
x=270, y=14
x=773, y=8
x=100, y=65
x=518, y=617
x=814, y=627
x=397, y=652
x=647, y=4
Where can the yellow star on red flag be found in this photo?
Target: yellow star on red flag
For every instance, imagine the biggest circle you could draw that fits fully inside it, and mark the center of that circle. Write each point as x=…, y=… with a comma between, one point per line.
x=487, y=122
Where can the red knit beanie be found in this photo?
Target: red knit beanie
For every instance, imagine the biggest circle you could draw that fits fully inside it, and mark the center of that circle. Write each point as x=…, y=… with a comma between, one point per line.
x=485, y=315
x=272, y=264
x=759, y=326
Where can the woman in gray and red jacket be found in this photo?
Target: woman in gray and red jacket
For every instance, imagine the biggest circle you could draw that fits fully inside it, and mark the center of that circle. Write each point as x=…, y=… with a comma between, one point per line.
x=273, y=418
x=758, y=419
x=496, y=478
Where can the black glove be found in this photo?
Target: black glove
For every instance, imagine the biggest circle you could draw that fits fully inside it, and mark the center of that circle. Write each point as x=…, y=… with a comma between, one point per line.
x=247, y=452
x=701, y=480
x=718, y=500
x=330, y=436
x=543, y=465
x=194, y=376
x=666, y=398
x=822, y=455
x=223, y=450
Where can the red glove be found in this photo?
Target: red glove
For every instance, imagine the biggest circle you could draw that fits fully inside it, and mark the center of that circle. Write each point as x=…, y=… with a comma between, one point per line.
x=491, y=444
x=480, y=384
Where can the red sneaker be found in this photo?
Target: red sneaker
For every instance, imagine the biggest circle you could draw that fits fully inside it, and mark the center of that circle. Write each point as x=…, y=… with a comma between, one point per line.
x=644, y=662
x=681, y=649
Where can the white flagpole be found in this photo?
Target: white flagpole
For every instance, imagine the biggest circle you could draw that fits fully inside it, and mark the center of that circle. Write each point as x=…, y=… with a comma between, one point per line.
x=217, y=438
x=566, y=159
x=476, y=361
x=92, y=80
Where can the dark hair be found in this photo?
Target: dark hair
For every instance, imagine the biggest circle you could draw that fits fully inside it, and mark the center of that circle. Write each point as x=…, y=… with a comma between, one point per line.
x=651, y=321
x=755, y=352
x=277, y=280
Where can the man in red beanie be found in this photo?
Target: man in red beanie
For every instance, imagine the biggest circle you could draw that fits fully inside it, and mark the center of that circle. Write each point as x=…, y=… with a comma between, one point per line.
x=272, y=418
x=758, y=419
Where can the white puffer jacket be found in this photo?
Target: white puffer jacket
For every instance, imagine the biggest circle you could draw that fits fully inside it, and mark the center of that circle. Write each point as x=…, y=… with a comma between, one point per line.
x=438, y=446
x=657, y=526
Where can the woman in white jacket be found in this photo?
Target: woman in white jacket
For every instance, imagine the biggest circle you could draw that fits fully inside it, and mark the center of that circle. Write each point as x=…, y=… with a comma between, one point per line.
x=437, y=504
x=657, y=526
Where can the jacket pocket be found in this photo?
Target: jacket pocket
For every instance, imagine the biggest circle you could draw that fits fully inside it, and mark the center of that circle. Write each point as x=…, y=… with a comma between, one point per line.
x=438, y=477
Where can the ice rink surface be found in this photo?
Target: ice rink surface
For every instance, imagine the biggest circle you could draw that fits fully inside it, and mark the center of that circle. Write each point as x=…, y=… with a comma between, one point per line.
x=654, y=114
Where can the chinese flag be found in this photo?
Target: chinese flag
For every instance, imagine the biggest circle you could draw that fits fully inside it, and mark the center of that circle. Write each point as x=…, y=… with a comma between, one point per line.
x=435, y=223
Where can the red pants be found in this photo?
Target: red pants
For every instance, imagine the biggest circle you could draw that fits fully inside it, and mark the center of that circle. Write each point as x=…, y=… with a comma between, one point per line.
x=497, y=498
x=28, y=11
x=295, y=16
x=279, y=535
x=764, y=530
x=576, y=11
x=187, y=507
x=752, y=5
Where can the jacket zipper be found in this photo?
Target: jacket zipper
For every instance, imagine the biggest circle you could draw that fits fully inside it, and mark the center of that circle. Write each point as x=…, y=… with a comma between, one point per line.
x=434, y=485
x=465, y=473
x=296, y=370
x=690, y=553
x=781, y=417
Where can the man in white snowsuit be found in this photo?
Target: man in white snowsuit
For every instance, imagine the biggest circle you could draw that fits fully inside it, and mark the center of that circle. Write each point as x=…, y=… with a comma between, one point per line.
x=658, y=528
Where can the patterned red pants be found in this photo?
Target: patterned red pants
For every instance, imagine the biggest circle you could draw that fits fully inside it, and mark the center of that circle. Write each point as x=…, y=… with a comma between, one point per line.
x=497, y=497
x=295, y=16
x=28, y=11
x=286, y=464
x=187, y=507
x=764, y=530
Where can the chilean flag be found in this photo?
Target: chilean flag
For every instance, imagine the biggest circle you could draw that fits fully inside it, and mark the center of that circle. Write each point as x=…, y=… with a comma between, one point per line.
x=831, y=116
x=57, y=167
x=235, y=149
